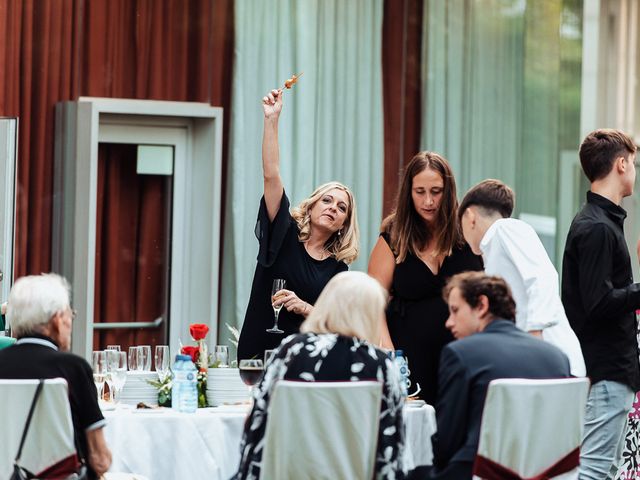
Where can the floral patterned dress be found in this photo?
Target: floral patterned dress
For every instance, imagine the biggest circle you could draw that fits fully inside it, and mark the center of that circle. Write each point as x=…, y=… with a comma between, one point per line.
x=329, y=357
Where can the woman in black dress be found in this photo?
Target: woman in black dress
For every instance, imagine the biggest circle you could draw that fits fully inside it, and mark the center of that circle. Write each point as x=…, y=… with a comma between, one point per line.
x=419, y=248
x=337, y=344
x=306, y=247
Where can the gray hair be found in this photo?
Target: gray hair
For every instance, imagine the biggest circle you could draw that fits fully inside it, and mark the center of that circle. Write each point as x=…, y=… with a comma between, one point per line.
x=351, y=304
x=34, y=300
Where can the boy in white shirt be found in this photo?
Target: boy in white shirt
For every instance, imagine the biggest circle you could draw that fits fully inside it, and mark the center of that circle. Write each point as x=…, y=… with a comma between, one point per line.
x=511, y=249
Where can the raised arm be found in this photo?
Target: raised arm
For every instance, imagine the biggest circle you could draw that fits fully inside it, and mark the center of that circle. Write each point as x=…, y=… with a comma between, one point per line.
x=382, y=263
x=273, y=189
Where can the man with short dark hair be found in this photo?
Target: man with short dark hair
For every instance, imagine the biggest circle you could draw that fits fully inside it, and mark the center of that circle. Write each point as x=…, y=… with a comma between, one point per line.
x=40, y=316
x=600, y=298
x=511, y=248
x=488, y=346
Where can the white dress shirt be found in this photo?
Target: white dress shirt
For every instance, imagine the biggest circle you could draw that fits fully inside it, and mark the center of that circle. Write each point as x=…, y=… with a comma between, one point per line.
x=512, y=250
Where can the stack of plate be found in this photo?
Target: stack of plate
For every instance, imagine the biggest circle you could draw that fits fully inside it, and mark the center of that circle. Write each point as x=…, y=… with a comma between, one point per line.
x=224, y=387
x=137, y=388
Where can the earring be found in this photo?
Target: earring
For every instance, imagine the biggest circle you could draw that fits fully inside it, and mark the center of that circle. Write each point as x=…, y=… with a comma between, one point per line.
x=339, y=232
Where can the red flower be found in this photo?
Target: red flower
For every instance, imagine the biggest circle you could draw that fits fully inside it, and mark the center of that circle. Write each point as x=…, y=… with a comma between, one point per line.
x=198, y=331
x=193, y=352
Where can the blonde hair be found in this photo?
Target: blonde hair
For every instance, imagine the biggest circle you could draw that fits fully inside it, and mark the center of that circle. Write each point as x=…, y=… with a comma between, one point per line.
x=343, y=245
x=351, y=304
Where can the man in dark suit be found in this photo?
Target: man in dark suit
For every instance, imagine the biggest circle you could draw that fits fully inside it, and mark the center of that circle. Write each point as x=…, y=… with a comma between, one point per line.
x=488, y=346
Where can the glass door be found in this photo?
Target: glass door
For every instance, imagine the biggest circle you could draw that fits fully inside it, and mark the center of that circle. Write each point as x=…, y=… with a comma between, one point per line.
x=133, y=245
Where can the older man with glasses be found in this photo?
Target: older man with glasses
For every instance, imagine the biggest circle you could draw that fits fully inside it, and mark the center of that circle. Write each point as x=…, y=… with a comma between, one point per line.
x=40, y=316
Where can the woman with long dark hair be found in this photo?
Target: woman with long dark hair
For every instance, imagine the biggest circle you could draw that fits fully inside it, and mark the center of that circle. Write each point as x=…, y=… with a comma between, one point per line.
x=419, y=248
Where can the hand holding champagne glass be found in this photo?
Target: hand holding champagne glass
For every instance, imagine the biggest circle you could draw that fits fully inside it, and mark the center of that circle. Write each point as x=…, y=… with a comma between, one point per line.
x=278, y=284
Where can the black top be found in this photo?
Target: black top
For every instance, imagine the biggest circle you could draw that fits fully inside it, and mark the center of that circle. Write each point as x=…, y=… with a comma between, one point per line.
x=417, y=313
x=37, y=356
x=280, y=255
x=467, y=366
x=329, y=357
x=598, y=292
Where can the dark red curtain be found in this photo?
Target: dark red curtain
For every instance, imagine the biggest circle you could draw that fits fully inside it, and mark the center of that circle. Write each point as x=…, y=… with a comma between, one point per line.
x=55, y=51
x=401, y=63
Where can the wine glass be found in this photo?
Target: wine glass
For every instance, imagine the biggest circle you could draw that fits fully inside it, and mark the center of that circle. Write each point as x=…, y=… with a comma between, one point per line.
x=251, y=371
x=99, y=365
x=278, y=284
x=221, y=355
x=133, y=359
x=118, y=370
x=162, y=360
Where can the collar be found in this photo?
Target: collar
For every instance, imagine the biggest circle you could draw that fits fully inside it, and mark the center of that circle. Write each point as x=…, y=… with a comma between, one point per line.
x=613, y=211
x=489, y=234
x=498, y=324
x=37, y=339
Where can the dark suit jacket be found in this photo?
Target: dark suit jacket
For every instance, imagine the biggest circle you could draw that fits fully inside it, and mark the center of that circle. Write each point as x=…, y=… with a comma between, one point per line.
x=466, y=368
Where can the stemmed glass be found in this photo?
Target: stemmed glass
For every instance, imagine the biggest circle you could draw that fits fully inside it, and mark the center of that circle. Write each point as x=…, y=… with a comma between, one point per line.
x=118, y=369
x=99, y=364
x=144, y=358
x=278, y=284
x=162, y=360
x=251, y=371
x=133, y=359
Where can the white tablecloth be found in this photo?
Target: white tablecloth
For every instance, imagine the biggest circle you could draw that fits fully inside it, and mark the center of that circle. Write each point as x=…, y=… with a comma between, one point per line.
x=164, y=444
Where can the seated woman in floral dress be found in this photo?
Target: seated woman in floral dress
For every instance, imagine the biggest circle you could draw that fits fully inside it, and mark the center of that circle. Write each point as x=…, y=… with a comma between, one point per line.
x=336, y=344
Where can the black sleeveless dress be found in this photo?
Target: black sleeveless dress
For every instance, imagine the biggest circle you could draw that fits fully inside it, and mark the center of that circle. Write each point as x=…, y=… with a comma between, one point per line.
x=280, y=255
x=417, y=313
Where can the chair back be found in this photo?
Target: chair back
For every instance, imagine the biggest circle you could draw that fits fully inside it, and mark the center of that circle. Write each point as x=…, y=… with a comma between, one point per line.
x=322, y=430
x=50, y=438
x=530, y=428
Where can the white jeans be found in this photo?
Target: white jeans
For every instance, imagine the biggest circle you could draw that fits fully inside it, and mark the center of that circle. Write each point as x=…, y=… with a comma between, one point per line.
x=605, y=420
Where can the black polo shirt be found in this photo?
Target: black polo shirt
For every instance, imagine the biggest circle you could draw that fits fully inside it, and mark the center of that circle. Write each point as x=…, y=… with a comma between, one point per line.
x=598, y=292
x=37, y=356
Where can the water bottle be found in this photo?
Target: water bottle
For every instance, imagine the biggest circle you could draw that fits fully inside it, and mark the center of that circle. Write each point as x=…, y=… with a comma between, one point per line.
x=401, y=364
x=184, y=391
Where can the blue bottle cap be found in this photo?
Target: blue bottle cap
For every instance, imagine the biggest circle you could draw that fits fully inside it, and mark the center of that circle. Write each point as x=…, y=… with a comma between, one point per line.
x=399, y=353
x=185, y=358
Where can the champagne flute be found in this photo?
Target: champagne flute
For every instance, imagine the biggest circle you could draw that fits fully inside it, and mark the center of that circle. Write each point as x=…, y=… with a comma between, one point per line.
x=162, y=360
x=133, y=359
x=251, y=371
x=99, y=365
x=144, y=358
x=118, y=368
x=278, y=284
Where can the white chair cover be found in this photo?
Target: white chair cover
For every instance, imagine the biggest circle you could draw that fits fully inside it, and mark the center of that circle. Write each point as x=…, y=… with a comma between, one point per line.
x=322, y=430
x=50, y=437
x=530, y=425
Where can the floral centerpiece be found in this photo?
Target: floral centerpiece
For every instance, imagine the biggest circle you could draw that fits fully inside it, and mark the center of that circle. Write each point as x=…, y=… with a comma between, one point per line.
x=199, y=357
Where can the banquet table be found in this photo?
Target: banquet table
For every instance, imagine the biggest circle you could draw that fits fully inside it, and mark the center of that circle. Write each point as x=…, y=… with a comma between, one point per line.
x=165, y=444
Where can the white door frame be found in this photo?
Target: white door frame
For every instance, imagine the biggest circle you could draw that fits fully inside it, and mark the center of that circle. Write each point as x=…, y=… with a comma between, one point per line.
x=8, y=156
x=80, y=126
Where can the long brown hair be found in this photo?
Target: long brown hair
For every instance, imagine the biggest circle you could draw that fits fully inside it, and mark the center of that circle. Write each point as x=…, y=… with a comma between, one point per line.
x=407, y=229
